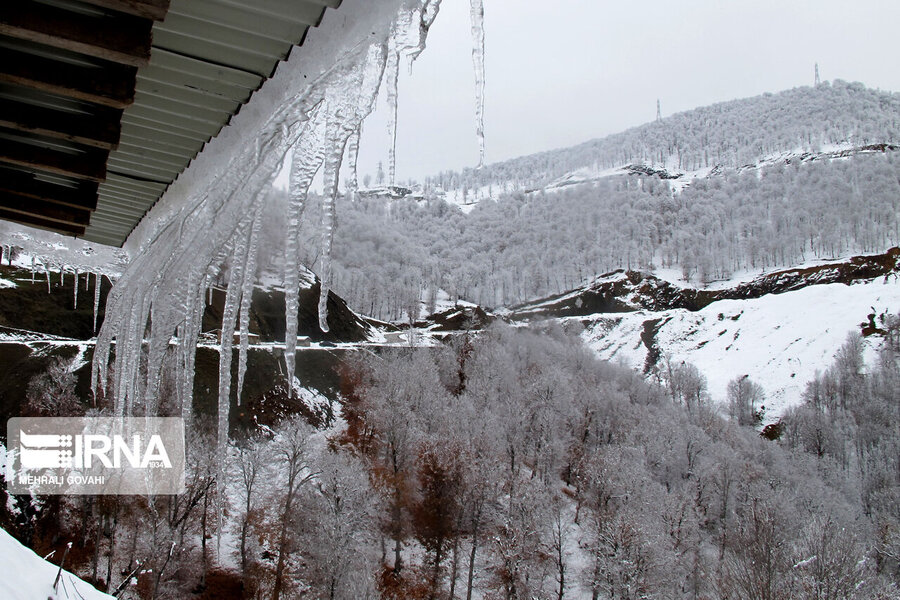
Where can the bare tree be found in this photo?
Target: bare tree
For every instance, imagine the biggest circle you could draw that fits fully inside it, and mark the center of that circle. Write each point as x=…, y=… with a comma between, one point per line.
x=292, y=448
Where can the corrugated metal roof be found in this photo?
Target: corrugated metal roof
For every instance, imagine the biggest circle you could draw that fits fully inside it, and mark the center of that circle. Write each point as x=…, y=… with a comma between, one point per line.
x=207, y=58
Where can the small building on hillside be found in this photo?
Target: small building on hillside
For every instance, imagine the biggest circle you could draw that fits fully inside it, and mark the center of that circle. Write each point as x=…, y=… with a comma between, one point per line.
x=252, y=338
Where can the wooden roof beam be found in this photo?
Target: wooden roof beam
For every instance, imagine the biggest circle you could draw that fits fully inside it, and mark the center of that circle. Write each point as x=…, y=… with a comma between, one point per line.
x=122, y=39
x=112, y=86
x=83, y=195
x=101, y=129
x=148, y=9
x=44, y=210
x=90, y=164
x=40, y=223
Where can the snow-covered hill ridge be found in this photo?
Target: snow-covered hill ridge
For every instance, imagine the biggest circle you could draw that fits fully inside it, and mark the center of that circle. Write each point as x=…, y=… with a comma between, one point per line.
x=731, y=134
x=627, y=291
x=676, y=178
x=779, y=329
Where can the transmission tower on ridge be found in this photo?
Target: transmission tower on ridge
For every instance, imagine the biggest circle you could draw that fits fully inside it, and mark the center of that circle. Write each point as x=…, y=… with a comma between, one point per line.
x=818, y=80
x=658, y=111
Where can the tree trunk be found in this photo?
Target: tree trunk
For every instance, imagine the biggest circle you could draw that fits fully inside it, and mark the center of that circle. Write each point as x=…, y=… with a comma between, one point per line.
x=472, y=563
x=112, y=547
x=454, y=567
x=95, y=561
x=282, y=537
x=203, y=539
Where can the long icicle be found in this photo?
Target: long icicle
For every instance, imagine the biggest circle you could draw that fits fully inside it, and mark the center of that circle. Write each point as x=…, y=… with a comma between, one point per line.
x=338, y=138
x=97, y=281
x=229, y=315
x=192, y=326
x=247, y=297
x=392, y=77
x=305, y=163
x=353, y=157
x=476, y=14
x=340, y=132
x=76, y=290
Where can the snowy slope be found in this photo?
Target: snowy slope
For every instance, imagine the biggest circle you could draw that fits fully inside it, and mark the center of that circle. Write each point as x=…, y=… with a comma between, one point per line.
x=779, y=340
x=778, y=327
x=677, y=179
x=26, y=576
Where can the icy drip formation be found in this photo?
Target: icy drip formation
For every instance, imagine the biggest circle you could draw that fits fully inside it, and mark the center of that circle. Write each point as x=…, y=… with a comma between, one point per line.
x=408, y=39
x=96, y=299
x=476, y=14
x=216, y=231
x=353, y=157
x=246, y=299
x=392, y=78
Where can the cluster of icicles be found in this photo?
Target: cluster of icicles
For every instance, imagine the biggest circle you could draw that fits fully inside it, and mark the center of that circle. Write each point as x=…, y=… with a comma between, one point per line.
x=164, y=287
x=7, y=251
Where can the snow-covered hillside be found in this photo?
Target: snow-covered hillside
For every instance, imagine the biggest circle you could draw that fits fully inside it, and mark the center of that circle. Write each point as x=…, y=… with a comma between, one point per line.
x=779, y=329
x=779, y=340
x=26, y=576
x=731, y=134
x=677, y=179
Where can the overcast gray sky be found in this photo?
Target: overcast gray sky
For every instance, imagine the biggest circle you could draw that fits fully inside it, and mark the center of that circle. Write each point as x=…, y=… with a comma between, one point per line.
x=560, y=72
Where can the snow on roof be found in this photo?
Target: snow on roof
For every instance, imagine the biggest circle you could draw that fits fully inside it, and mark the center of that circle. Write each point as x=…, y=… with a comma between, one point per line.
x=26, y=576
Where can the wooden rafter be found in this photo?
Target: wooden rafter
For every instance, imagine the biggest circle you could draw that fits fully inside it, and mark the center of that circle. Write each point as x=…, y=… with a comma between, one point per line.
x=46, y=210
x=89, y=164
x=32, y=221
x=112, y=86
x=122, y=38
x=148, y=9
x=101, y=129
x=82, y=194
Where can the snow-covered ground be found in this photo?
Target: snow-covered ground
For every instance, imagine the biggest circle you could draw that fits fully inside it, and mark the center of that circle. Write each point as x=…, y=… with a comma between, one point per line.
x=779, y=340
x=26, y=576
x=679, y=178
x=674, y=276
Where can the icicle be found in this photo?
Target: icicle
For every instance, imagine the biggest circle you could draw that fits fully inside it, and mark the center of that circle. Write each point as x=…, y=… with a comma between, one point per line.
x=353, y=157
x=96, y=299
x=229, y=314
x=32, y=270
x=87, y=281
x=183, y=249
x=62, y=277
x=391, y=81
x=47, y=273
x=209, y=296
x=76, y=290
x=476, y=14
x=305, y=164
x=192, y=325
x=337, y=139
x=247, y=298
x=429, y=14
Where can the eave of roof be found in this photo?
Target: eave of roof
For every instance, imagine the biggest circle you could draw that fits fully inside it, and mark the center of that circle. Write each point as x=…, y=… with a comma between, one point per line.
x=207, y=58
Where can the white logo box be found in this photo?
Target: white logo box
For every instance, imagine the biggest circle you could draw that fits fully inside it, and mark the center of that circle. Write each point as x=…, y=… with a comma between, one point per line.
x=95, y=455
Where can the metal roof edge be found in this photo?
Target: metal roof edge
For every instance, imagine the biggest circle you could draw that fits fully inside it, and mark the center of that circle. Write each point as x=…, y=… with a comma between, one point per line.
x=357, y=23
